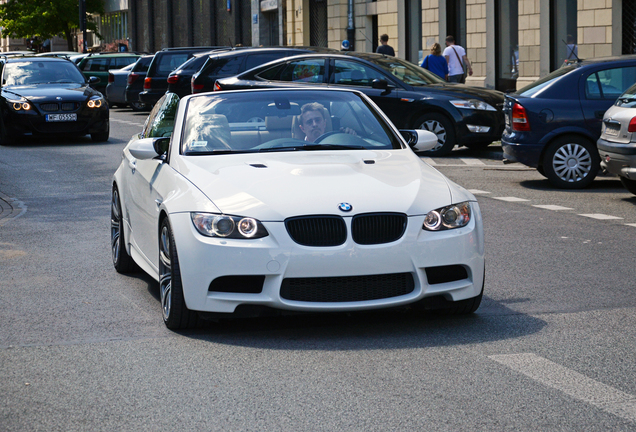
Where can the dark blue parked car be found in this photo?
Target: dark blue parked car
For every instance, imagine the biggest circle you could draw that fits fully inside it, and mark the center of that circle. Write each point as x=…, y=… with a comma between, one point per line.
x=553, y=124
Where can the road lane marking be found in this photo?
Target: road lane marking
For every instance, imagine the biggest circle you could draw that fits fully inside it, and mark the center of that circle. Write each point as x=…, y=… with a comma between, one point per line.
x=429, y=161
x=574, y=384
x=510, y=199
x=600, y=216
x=552, y=207
x=477, y=192
x=471, y=161
x=632, y=225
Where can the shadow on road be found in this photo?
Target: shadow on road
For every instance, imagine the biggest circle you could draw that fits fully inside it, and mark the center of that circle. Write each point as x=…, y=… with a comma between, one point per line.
x=382, y=329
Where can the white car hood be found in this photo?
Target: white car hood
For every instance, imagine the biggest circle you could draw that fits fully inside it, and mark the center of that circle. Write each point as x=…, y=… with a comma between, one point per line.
x=275, y=186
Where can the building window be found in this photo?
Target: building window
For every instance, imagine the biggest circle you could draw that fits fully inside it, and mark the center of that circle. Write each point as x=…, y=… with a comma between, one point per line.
x=414, y=31
x=456, y=21
x=629, y=27
x=507, y=60
x=318, y=23
x=563, y=29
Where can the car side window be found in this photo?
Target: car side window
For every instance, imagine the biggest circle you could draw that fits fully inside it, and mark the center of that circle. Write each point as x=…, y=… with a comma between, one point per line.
x=160, y=122
x=353, y=73
x=96, y=65
x=122, y=62
x=609, y=84
x=254, y=60
x=272, y=73
x=304, y=70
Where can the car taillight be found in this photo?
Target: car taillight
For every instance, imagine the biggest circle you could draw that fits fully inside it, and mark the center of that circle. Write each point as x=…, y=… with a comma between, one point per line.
x=111, y=78
x=173, y=79
x=632, y=125
x=520, y=118
x=147, y=83
x=132, y=77
x=196, y=88
x=217, y=86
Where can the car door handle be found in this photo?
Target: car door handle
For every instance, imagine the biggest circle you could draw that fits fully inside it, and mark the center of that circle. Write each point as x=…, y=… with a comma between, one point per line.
x=158, y=201
x=133, y=165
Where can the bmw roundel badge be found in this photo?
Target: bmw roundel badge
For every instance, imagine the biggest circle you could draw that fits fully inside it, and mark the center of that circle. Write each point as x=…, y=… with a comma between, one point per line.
x=345, y=207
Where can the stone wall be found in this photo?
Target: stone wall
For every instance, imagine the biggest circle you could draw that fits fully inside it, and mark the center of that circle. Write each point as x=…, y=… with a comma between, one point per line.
x=594, y=22
x=476, y=40
x=529, y=42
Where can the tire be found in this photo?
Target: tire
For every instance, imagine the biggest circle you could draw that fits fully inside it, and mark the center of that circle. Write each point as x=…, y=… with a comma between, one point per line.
x=477, y=146
x=176, y=316
x=441, y=126
x=5, y=139
x=137, y=106
x=101, y=136
x=122, y=261
x=571, y=162
x=629, y=184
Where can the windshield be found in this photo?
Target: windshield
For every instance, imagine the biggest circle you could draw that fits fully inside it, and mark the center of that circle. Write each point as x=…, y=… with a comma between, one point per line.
x=41, y=72
x=269, y=121
x=627, y=99
x=407, y=72
x=544, y=82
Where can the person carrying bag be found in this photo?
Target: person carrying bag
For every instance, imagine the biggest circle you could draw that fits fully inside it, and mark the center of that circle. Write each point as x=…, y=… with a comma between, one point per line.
x=458, y=62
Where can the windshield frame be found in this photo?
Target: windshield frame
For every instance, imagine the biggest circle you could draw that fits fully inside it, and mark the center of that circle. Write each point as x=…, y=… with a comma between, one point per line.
x=13, y=67
x=385, y=64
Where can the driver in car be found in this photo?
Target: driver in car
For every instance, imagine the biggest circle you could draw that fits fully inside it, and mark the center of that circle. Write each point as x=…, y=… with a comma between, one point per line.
x=313, y=121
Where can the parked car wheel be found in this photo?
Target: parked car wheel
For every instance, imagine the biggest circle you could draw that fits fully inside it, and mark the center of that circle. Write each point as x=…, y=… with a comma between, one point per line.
x=571, y=162
x=629, y=184
x=137, y=106
x=443, y=128
x=121, y=260
x=175, y=313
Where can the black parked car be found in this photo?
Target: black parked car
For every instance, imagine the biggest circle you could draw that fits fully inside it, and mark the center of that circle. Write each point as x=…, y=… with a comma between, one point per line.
x=410, y=96
x=164, y=62
x=49, y=96
x=135, y=82
x=553, y=124
x=226, y=64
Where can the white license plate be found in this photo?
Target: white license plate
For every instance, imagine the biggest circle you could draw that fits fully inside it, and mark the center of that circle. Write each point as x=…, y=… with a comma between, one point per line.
x=61, y=117
x=612, y=130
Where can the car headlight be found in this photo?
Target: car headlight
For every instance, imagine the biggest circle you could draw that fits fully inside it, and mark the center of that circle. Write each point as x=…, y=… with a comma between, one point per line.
x=472, y=104
x=219, y=225
x=449, y=217
x=95, y=103
x=21, y=105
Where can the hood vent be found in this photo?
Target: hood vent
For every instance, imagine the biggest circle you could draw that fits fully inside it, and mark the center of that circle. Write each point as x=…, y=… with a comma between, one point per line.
x=258, y=165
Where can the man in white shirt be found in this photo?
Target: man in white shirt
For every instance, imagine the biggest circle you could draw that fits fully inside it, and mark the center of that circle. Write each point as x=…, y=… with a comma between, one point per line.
x=456, y=57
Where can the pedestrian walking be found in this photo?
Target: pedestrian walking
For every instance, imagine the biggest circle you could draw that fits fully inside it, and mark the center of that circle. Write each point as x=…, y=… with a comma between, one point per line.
x=456, y=57
x=384, y=47
x=436, y=62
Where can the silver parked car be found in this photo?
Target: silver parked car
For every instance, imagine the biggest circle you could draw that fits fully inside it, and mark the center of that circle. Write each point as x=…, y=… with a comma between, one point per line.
x=617, y=144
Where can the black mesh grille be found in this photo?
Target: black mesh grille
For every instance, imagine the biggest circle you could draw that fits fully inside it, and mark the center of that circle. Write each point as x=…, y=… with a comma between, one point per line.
x=69, y=106
x=378, y=228
x=317, y=230
x=443, y=274
x=238, y=284
x=629, y=27
x=49, y=107
x=348, y=288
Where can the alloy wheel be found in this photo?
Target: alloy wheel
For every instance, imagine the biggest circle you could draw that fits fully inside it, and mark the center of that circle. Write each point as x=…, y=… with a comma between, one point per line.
x=438, y=129
x=165, y=272
x=572, y=163
x=115, y=226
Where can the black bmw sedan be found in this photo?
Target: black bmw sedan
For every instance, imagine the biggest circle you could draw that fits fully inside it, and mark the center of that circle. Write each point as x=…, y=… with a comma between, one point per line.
x=49, y=96
x=410, y=96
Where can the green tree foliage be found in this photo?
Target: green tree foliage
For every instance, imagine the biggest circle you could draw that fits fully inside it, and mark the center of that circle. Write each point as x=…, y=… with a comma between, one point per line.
x=45, y=18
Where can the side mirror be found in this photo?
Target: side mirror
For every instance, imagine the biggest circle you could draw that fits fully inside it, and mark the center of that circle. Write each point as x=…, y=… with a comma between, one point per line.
x=379, y=84
x=419, y=140
x=94, y=80
x=148, y=148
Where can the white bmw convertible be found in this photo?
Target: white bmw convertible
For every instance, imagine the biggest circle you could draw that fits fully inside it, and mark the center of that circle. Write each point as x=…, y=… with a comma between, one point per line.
x=291, y=200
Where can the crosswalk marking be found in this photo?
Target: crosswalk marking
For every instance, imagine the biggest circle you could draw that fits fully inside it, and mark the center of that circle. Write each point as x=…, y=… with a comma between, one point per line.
x=600, y=216
x=510, y=199
x=551, y=207
x=478, y=192
x=572, y=383
x=471, y=161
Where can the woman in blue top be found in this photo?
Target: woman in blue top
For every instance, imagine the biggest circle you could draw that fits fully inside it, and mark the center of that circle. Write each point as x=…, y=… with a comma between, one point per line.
x=436, y=62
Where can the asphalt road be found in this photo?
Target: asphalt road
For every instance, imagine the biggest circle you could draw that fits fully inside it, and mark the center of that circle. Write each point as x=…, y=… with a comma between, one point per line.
x=83, y=348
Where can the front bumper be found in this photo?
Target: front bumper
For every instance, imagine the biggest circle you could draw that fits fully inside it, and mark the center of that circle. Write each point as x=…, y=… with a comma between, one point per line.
x=88, y=121
x=276, y=258
x=619, y=159
x=493, y=120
